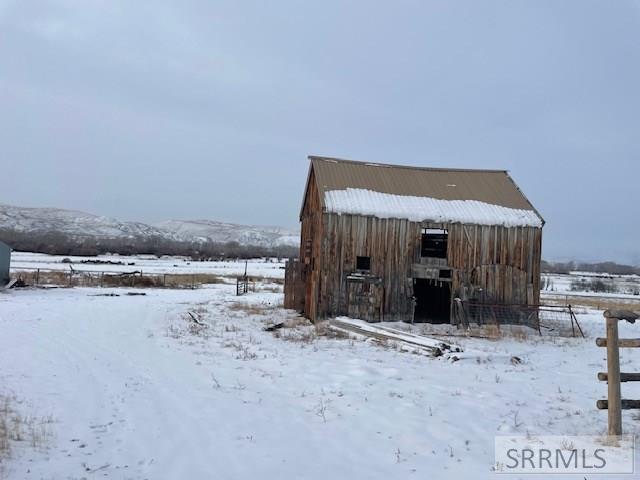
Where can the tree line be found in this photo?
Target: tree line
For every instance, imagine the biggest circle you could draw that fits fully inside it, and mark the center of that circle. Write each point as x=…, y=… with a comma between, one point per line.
x=611, y=268
x=57, y=243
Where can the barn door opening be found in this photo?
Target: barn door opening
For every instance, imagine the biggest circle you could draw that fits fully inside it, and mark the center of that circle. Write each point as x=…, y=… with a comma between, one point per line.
x=433, y=301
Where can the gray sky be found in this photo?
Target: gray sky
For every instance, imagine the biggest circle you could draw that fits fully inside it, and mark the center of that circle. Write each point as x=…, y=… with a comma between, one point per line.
x=151, y=110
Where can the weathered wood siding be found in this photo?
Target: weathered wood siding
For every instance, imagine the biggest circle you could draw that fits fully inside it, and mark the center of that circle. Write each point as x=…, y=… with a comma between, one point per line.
x=503, y=262
x=310, y=246
x=294, y=285
x=392, y=246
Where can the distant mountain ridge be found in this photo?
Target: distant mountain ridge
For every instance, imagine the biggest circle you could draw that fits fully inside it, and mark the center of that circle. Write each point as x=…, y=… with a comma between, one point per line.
x=223, y=232
x=77, y=223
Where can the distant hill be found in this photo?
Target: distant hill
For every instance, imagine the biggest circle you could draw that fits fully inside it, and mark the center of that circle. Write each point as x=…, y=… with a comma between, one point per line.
x=81, y=224
x=221, y=232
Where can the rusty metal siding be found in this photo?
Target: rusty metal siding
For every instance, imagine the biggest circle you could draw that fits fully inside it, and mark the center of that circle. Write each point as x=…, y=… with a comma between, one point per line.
x=495, y=187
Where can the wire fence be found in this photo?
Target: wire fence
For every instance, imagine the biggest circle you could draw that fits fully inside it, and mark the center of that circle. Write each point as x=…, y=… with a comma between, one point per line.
x=99, y=278
x=557, y=320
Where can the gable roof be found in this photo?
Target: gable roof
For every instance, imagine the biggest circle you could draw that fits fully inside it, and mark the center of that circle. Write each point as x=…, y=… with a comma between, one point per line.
x=355, y=179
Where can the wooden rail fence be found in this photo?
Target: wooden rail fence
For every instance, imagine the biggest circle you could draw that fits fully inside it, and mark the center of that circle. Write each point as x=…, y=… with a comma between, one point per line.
x=614, y=403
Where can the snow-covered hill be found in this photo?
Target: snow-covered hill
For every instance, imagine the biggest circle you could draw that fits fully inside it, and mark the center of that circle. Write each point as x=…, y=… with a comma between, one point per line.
x=70, y=222
x=76, y=223
x=222, y=232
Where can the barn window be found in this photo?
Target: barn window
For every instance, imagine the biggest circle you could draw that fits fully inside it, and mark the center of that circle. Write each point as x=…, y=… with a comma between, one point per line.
x=363, y=263
x=434, y=243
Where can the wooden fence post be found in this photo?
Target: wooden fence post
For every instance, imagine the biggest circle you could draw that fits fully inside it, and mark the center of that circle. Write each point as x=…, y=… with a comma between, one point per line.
x=614, y=404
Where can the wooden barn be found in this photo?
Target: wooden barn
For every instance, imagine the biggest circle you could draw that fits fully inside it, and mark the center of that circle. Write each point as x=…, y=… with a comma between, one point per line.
x=397, y=243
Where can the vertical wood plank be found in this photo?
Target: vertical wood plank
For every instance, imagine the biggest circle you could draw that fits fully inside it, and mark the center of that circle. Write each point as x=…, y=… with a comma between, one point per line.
x=613, y=371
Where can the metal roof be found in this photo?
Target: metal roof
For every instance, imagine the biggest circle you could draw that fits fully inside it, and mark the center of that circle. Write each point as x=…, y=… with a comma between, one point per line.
x=494, y=187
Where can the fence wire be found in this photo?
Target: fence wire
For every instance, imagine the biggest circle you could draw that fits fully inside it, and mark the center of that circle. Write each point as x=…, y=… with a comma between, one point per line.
x=556, y=320
x=96, y=278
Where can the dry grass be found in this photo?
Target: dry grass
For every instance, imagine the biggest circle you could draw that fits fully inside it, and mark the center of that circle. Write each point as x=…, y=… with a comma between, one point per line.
x=263, y=279
x=43, y=278
x=186, y=280
x=323, y=329
x=193, y=324
x=252, y=308
x=304, y=335
x=598, y=303
x=301, y=330
x=17, y=428
x=489, y=332
x=243, y=351
x=271, y=288
x=88, y=279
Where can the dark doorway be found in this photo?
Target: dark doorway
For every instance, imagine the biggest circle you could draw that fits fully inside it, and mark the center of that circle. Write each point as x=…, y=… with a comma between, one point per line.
x=433, y=301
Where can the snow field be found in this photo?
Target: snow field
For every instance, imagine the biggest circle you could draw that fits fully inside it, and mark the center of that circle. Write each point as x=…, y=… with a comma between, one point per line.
x=149, y=264
x=138, y=390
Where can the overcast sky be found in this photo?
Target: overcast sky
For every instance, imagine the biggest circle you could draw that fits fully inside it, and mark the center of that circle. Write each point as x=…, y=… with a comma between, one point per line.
x=150, y=110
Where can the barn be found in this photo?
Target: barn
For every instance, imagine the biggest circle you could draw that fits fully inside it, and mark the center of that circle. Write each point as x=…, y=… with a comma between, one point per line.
x=399, y=243
x=5, y=260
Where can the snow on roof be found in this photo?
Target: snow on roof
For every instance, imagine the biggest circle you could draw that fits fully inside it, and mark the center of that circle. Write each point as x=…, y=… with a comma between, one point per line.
x=358, y=201
x=493, y=187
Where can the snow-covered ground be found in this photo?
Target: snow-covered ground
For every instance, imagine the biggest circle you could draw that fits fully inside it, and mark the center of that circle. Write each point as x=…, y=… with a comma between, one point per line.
x=150, y=264
x=136, y=390
x=578, y=282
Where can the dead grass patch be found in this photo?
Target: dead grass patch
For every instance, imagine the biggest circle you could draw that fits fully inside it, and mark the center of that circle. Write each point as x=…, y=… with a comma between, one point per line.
x=304, y=335
x=263, y=279
x=18, y=428
x=271, y=288
x=488, y=332
x=301, y=330
x=193, y=325
x=598, y=303
x=252, y=308
x=187, y=280
x=93, y=279
x=243, y=351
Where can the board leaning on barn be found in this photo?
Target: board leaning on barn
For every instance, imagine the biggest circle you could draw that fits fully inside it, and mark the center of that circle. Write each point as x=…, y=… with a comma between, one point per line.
x=396, y=243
